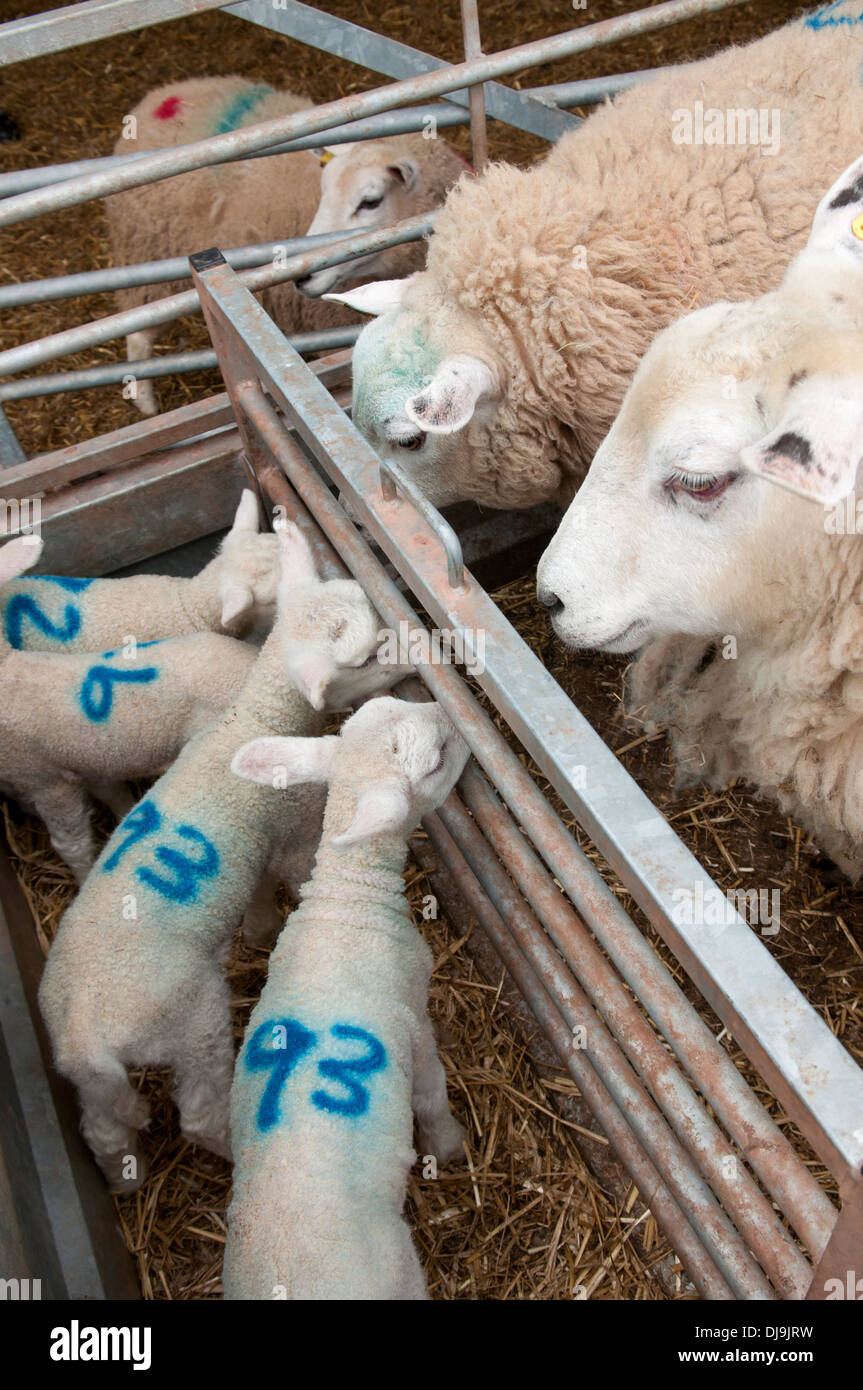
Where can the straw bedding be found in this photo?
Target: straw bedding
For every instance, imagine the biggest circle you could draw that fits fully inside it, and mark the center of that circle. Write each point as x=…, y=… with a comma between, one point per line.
x=526, y=1217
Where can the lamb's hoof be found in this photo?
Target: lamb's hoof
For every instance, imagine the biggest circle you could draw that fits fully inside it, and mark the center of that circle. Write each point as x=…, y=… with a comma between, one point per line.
x=445, y=1140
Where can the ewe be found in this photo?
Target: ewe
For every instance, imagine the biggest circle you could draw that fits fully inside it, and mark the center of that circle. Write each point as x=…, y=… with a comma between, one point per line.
x=502, y=366
x=745, y=597
x=339, y=1053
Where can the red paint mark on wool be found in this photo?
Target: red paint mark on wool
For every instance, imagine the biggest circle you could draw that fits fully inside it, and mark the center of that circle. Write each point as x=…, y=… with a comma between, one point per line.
x=168, y=109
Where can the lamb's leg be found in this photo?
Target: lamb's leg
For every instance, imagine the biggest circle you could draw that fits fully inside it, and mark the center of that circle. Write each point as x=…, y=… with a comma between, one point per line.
x=64, y=809
x=111, y=1115
x=115, y=795
x=262, y=920
x=138, y=347
x=439, y=1131
x=203, y=1063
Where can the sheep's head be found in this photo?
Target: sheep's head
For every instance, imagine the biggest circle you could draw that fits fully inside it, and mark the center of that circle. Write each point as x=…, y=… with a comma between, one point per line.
x=332, y=645
x=400, y=761
x=416, y=401
x=373, y=183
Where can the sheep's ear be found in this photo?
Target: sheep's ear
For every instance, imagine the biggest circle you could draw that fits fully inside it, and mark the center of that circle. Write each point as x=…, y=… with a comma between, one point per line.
x=817, y=447
x=296, y=559
x=838, y=222
x=379, y=810
x=246, y=515
x=407, y=171
x=311, y=671
x=285, y=762
x=448, y=402
x=237, y=602
x=378, y=297
x=19, y=555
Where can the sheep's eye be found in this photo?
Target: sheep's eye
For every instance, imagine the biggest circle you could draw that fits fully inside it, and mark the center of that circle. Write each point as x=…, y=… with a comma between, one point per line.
x=414, y=441
x=703, y=487
x=369, y=204
x=440, y=762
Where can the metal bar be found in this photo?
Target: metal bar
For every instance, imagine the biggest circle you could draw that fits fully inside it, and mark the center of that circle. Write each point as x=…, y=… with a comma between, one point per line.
x=11, y=452
x=473, y=49
x=145, y=368
x=393, y=59
x=441, y=527
x=174, y=306
x=647, y=1178
x=154, y=167
x=777, y=1027
x=842, y=1261
x=759, y=1137
x=73, y=25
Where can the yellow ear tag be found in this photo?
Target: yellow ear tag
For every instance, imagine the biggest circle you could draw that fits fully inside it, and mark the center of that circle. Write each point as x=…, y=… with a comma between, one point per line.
x=328, y=155
x=857, y=226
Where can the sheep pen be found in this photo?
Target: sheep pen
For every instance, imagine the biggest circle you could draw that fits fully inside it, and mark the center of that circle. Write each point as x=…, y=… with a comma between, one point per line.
x=528, y=1218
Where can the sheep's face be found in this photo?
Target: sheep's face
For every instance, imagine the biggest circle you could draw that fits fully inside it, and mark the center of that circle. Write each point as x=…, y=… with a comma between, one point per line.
x=670, y=533
x=416, y=401
x=364, y=185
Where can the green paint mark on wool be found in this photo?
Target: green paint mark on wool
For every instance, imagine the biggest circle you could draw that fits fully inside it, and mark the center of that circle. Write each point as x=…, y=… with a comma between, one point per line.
x=241, y=107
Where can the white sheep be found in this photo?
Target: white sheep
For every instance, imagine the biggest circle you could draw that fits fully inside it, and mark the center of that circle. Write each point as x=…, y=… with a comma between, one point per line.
x=136, y=972
x=55, y=613
x=258, y=200
x=501, y=367
x=340, y=1052
x=744, y=597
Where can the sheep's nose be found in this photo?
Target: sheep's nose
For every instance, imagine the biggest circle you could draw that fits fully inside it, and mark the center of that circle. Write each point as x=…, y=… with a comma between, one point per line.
x=549, y=600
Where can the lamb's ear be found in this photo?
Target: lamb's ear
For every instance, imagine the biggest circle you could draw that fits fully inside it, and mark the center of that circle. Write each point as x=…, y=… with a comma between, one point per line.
x=285, y=762
x=817, y=447
x=19, y=555
x=297, y=563
x=379, y=810
x=448, y=402
x=407, y=171
x=246, y=515
x=311, y=671
x=378, y=297
x=838, y=222
x=237, y=601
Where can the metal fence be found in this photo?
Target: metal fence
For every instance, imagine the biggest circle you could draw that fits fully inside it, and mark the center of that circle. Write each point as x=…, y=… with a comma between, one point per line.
x=722, y=1179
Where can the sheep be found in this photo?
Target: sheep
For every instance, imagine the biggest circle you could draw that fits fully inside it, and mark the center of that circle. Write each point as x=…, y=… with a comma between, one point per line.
x=47, y=612
x=135, y=975
x=743, y=596
x=90, y=720
x=273, y=199
x=501, y=367
x=321, y=1162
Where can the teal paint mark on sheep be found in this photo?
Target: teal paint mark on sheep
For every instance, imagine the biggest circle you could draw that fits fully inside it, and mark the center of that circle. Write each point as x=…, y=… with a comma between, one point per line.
x=242, y=106
x=142, y=820
x=344, y=1071
x=827, y=17
x=96, y=696
x=23, y=606
x=279, y=1044
x=183, y=886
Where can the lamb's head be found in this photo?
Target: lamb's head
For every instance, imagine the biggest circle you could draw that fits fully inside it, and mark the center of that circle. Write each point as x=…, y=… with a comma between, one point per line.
x=416, y=401
x=670, y=533
x=332, y=644
x=248, y=570
x=373, y=183
x=396, y=761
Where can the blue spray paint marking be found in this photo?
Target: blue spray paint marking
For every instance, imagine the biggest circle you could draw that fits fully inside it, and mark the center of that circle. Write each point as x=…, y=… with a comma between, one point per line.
x=183, y=887
x=24, y=606
x=141, y=821
x=240, y=107
x=827, y=18
x=157, y=641
x=276, y=1046
x=97, y=690
x=356, y=1102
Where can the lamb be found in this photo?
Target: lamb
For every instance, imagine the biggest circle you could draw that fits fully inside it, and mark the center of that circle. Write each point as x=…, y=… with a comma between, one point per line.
x=743, y=596
x=272, y=199
x=340, y=1048
x=136, y=972
x=47, y=612
x=501, y=367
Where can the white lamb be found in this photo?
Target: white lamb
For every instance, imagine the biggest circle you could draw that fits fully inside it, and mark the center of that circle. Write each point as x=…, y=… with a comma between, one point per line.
x=496, y=372
x=340, y=1050
x=54, y=613
x=258, y=200
x=136, y=973
x=745, y=597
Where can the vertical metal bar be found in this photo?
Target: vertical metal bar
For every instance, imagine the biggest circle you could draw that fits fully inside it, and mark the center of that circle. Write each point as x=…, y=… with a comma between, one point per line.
x=839, y=1273
x=473, y=49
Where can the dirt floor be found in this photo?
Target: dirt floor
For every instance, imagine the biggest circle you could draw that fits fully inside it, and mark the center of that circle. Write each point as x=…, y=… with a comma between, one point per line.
x=526, y=1218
